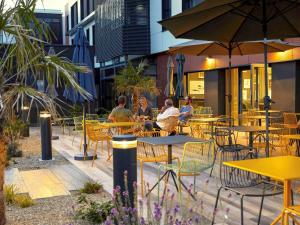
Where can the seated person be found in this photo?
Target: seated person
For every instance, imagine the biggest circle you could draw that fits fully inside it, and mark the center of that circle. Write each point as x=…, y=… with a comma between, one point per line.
x=186, y=111
x=166, y=112
x=120, y=113
x=145, y=113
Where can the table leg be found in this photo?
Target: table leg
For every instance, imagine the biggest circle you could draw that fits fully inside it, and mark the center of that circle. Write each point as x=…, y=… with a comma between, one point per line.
x=169, y=154
x=251, y=139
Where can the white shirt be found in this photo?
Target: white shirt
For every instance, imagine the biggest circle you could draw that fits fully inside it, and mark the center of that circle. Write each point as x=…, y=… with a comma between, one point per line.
x=161, y=117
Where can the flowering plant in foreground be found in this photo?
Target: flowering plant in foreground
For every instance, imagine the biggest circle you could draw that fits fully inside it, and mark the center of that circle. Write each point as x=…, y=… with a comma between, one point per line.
x=166, y=210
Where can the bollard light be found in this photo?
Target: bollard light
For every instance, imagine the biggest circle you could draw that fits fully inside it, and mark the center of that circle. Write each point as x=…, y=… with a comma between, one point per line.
x=125, y=159
x=24, y=116
x=46, y=135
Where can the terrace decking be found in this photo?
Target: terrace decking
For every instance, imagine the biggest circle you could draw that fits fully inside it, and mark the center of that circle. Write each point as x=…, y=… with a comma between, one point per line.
x=206, y=187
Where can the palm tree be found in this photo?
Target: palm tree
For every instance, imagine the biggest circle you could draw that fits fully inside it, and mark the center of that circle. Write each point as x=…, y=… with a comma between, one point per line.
x=132, y=81
x=22, y=60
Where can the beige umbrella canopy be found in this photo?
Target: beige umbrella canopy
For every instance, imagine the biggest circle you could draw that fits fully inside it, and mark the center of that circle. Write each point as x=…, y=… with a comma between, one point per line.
x=221, y=48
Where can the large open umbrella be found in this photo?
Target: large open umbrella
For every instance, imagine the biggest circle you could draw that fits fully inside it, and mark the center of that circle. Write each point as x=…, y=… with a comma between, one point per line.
x=239, y=20
x=180, y=91
x=169, y=90
x=210, y=48
x=81, y=56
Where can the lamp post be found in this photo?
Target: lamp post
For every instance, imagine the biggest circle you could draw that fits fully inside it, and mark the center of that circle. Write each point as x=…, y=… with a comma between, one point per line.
x=46, y=135
x=24, y=116
x=125, y=159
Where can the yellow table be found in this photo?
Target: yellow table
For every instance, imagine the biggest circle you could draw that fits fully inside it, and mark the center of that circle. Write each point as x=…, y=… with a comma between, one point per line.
x=283, y=168
x=120, y=124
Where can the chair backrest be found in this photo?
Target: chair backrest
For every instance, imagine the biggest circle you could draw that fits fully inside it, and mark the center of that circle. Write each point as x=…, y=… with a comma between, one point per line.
x=171, y=123
x=155, y=112
x=92, y=116
x=236, y=178
x=96, y=132
x=78, y=123
x=289, y=118
x=197, y=157
x=224, y=136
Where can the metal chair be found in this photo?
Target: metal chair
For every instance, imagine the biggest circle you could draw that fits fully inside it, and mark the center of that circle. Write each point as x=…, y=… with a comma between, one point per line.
x=243, y=183
x=149, y=154
x=290, y=122
x=92, y=116
x=97, y=133
x=225, y=140
x=196, y=158
x=171, y=125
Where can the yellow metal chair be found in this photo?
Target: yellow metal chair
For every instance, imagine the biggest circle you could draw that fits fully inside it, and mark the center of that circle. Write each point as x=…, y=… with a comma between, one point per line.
x=171, y=125
x=96, y=133
x=78, y=129
x=196, y=158
x=150, y=154
x=290, y=122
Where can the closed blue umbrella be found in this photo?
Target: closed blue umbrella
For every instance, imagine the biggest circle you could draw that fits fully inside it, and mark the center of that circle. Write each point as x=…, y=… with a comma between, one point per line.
x=81, y=56
x=180, y=92
x=169, y=90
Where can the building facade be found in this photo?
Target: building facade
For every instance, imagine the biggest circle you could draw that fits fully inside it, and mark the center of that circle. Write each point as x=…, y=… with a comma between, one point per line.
x=123, y=30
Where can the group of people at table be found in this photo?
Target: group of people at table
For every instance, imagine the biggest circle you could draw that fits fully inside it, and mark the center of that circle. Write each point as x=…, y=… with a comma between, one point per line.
x=145, y=113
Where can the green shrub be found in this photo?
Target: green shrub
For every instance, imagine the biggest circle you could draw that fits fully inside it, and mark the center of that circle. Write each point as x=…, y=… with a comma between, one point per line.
x=23, y=201
x=10, y=192
x=91, y=188
x=92, y=211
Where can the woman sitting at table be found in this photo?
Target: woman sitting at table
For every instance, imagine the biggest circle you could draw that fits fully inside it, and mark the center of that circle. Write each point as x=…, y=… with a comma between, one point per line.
x=144, y=113
x=186, y=111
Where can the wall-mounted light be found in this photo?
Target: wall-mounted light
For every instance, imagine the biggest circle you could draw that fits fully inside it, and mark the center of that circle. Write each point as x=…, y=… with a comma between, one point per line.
x=45, y=114
x=25, y=108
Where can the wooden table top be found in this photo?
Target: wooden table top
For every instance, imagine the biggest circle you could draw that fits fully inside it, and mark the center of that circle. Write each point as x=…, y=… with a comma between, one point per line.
x=253, y=128
x=280, y=168
x=259, y=117
x=169, y=140
x=120, y=124
x=270, y=111
x=292, y=136
x=205, y=120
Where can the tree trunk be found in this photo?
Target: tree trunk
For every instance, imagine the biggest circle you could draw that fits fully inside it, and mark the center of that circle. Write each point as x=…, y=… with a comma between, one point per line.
x=2, y=168
x=135, y=102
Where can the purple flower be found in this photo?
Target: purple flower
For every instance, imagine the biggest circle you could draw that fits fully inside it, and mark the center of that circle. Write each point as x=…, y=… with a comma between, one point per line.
x=108, y=221
x=176, y=209
x=114, y=212
x=142, y=220
x=125, y=193
x=197, y=220
x=157, y=212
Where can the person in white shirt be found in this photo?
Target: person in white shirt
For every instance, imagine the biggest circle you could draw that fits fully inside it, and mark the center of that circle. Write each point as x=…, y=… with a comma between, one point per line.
x=166, y=112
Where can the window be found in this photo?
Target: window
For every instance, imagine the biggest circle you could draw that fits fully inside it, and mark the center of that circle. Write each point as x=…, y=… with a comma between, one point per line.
x=87, y=33
x=196, y=85
x=186, y=4
x=74, y=15
x=93, y=35
x=166, y=9
x=82, y=11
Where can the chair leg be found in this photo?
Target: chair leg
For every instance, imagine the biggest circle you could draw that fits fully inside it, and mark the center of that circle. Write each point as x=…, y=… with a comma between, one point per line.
x=81, y=141
x=73, y=139
x=260, y=209
x=108, y=150
x=242, y=210
x=216, y=205
x=213, y=165
x=142, y=178
x=95, y=152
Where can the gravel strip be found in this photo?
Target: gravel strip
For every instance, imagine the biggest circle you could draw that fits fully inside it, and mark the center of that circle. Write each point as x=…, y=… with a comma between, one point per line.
x=49, y=211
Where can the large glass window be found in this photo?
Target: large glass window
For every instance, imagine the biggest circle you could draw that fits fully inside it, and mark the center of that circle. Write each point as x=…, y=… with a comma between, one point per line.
x=74, y=15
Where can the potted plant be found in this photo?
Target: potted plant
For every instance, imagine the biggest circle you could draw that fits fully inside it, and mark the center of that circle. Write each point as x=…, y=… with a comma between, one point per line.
x=21, y=61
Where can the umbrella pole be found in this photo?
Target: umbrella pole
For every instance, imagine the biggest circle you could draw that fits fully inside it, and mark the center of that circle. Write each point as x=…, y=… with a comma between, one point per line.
x=84, y=132
x=229, y=86
x=267, y=99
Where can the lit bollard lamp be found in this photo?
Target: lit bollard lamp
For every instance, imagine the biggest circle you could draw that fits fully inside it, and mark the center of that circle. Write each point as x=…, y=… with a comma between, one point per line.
x=125, y=159
x=46, y=135
x=24, y=116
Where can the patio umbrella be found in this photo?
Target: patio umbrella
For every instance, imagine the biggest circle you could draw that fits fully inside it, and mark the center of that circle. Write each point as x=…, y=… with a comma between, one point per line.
x=209, y=48
x=169, y=90
x=180, y=92
x=81, y=56
x=239, y=20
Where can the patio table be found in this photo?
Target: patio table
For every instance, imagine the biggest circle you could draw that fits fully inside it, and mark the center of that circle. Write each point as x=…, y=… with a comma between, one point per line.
x=259, y=118
x=63, y=122
x=282, y=168
x=169, y=141
x=251, y=130
x=270, y=111
x=120, y=125
x=209, y=120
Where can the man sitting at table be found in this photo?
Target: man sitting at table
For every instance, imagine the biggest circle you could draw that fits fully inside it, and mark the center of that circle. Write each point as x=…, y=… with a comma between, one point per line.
x=120, y=113
x=164, y=118
x=186, y=110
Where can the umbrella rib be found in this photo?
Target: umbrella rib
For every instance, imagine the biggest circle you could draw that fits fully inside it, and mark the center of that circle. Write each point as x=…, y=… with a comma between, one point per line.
x=285, y=10
x=286, y=20
x=240, y=27
x=270, y=46
x=200, y=53
x=243, y=14
x=238, y=47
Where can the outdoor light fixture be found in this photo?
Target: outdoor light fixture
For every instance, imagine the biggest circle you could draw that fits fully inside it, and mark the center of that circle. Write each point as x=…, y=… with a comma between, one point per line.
x=24, y=117
x=125, y=159
x=46, y=135
x=25, y=108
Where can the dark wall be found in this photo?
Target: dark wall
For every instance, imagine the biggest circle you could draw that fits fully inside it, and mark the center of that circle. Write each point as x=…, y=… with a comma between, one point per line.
x=214, y=90
x=54, y=21
x=284, y=86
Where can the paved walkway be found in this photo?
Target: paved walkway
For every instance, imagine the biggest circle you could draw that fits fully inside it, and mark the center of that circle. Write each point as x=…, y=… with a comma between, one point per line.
x=206, y=187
